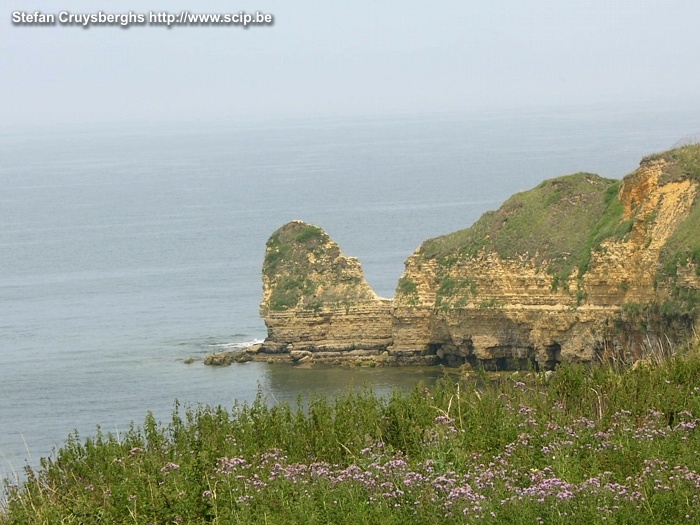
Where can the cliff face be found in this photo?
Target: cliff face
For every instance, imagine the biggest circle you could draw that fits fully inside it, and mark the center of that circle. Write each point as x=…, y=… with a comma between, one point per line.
x=316, y=302
x=576, y=269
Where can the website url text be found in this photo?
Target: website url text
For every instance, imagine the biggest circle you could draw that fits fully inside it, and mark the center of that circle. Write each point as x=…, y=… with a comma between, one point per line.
x=152, y=18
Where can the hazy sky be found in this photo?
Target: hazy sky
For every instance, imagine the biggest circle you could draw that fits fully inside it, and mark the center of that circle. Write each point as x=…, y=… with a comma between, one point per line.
x=326, y=58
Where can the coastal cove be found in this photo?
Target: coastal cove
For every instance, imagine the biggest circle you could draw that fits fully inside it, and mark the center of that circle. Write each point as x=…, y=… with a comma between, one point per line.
x=126, y=251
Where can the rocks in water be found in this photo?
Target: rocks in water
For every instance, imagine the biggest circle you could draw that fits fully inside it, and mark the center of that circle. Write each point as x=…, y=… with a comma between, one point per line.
x=241, y=355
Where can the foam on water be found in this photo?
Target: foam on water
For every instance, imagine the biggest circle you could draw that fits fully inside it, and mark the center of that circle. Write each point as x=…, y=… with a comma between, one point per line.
x=234, y=346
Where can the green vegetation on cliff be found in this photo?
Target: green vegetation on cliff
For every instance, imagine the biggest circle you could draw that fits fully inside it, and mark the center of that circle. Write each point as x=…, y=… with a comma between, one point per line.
x=681, y=249
x=281, y=254
x=557, y=223
x=454, y=292
x=304, y=268
x=683, y=162
x=558, y=227
x=287, y=261
x=684, y=244
x=408, y=290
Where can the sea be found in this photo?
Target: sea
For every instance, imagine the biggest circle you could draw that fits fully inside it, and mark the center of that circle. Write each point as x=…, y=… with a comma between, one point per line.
x=128, y=249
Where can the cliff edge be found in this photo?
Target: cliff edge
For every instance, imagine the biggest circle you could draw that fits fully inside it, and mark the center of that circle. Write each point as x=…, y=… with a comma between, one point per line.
x=579, y=268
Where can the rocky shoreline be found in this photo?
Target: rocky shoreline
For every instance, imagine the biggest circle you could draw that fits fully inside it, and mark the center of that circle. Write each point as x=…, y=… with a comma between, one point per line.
x=364, y=358
x=579, y=269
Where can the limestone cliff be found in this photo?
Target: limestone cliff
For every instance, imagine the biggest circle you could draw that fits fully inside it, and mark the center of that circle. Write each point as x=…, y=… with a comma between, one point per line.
x=317, y=301
x=577, y=269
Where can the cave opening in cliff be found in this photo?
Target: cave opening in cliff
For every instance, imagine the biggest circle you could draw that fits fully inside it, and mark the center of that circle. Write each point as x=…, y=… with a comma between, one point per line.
x=553, y=352
x=508, y=364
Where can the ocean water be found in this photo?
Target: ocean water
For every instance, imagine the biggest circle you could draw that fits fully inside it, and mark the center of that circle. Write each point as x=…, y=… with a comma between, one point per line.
x=125, y=250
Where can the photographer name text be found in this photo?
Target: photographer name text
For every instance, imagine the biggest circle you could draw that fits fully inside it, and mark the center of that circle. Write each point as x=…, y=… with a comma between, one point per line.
x=152, y=18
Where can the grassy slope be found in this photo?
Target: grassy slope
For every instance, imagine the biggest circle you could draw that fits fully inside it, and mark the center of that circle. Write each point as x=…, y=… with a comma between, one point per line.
x=684, y=244
x=592, y=445
x=558, y=223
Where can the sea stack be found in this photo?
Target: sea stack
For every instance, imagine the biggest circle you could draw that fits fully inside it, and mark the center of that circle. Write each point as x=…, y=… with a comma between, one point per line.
x=316, y=302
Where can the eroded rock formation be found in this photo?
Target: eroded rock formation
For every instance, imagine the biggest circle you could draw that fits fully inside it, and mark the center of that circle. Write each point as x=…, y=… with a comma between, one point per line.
x=316, y=301
x=577, y=269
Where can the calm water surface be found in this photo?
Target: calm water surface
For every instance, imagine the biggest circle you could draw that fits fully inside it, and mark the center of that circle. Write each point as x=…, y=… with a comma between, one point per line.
x=126, y=250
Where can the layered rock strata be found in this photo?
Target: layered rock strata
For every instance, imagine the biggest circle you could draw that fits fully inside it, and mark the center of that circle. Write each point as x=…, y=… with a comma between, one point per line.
x=317, y=304
x=579, y=268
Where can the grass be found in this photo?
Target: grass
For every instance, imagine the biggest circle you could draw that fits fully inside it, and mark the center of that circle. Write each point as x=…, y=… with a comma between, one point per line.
x=548, y=220
x=288, y=246
x=305, y=269
x=310, y=232
x=684, y=244
x=289, y=291
x=406, y=286
x=683, y=247
x=454, y=292
x=557, y=223
x=680, y=162
x=407, y=290
x=590, y=445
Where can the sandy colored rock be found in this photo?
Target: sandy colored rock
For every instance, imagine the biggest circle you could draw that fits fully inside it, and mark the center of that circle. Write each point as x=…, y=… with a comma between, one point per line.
x=578, y=269
x=315, y=299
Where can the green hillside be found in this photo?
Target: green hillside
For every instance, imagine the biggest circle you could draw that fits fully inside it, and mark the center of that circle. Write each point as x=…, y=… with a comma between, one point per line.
x=557, y=223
